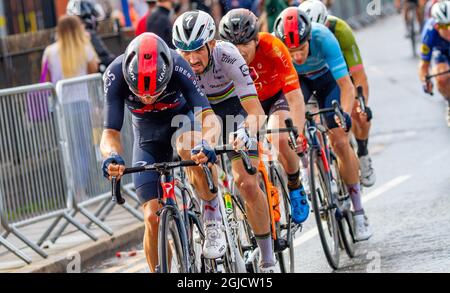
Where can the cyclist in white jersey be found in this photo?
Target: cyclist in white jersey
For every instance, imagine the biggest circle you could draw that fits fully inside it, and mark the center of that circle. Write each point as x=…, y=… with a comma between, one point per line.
x=224, y=77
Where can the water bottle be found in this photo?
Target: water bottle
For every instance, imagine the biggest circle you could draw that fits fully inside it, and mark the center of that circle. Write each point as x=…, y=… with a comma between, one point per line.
x=228, y=203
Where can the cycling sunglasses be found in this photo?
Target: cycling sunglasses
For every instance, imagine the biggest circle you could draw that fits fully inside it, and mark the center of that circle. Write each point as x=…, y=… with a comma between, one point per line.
x=154, y=96
x=443, y=26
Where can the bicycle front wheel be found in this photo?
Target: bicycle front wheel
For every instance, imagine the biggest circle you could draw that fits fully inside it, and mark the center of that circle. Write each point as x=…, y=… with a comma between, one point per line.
x=172, y=251
x=286, y=228
x=324, y=209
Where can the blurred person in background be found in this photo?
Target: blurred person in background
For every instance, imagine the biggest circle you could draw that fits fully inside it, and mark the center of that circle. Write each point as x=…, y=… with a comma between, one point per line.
x=90, y=14
x=160, y=21
x=72, y=55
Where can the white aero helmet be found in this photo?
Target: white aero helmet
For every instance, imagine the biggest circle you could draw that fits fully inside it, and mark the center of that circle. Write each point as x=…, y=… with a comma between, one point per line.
x=316, y=10
x=441, y=12
x=192, y=30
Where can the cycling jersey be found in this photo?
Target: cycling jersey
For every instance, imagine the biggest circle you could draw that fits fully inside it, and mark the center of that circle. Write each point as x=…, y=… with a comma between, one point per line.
x=228, y=75
x=152, y=124
x=181, y=92
x=433, y=42
x=324, y=54
x=272, y=69
x=347, y=42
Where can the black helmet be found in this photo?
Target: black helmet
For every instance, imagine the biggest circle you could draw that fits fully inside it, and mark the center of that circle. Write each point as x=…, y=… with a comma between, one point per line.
x=239, y=26
x=293, y=27
x=147, y=65
x=89, y=12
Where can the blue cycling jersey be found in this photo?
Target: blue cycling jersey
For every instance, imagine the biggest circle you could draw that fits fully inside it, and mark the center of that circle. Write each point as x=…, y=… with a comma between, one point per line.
x=433, y=42
x=324, y=54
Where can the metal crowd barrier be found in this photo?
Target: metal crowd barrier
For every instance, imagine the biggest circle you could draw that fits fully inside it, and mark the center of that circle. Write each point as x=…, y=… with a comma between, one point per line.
x=33, y=184
x=361, y=12
x=81, y=102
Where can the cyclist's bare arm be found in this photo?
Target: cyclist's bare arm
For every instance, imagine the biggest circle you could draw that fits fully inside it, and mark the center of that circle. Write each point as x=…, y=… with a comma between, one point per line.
x=360, y=79
x=297, y=105
x=424, y=69
x=211, y=128
x=347, y=93
x=256, y=116
x=109, y=145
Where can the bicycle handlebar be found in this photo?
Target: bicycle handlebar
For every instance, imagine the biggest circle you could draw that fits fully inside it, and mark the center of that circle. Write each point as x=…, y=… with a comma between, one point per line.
x=245, y=157
x=431, y=76
x=336, y=109
x=360, y=98
x=166, y=166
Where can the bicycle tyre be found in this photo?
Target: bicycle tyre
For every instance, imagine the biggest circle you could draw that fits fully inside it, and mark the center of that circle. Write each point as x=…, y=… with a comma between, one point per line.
x=322, y=210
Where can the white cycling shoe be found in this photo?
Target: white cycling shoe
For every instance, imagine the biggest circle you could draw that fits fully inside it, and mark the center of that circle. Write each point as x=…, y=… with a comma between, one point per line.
x=362, y=229
x=215, y=241
x=368, y=176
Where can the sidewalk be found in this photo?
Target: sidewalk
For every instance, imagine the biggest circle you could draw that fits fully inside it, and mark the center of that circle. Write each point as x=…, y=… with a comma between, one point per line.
x=73, y=244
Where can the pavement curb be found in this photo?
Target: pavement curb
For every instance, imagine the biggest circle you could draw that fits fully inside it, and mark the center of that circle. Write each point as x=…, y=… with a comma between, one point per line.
x=87, y=252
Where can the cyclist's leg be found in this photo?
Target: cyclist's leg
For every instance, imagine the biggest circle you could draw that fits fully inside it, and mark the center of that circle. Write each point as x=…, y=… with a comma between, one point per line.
x=361, y=129
x=348, y=161
x=278, y=111
x=443, y=81
x=256, y=207
x=186, y=138
x=215, y=241
x=328, y=91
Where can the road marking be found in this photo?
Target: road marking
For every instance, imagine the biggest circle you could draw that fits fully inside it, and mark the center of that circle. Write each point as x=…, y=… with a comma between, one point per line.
x=436, y=157
x=136, y=269
x=370, y=196
x=126, y=265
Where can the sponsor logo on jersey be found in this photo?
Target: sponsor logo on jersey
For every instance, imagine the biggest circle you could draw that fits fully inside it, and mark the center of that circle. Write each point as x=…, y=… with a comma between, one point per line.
x=163, y=73
x=245, y=70
x=425, y=50
x=108, y=78
x=228, y=59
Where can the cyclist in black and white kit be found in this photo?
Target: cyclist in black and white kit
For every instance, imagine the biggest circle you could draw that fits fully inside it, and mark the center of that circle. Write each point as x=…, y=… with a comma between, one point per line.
x=225, y=78
x=159, y=88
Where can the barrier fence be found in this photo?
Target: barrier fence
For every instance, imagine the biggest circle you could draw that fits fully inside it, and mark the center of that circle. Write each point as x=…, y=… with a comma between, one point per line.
x=50, y=159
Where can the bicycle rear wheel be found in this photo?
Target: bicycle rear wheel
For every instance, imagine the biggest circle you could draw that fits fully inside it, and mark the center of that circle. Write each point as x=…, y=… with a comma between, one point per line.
x=172, y=249
x=324, y=209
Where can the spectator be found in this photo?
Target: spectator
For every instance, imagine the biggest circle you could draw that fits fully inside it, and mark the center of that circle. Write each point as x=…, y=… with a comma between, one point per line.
x=72, y=54
x=159, y=21
x=90, y=15
x=142, y=24
x=273, y=8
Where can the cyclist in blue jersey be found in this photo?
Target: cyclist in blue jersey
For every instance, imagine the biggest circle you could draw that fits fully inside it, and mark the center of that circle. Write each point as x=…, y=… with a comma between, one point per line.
x=322, y=69
x=159, y=89
x=436, y=47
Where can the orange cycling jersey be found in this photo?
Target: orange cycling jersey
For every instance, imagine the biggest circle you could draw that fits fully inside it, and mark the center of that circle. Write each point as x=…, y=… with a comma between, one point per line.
x=272, y=69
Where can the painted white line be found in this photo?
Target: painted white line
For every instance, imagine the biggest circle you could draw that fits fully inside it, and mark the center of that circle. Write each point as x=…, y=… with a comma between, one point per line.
x=122, y=266
x=136, y=269
x=384, y=188
x=370, y=196
x=436, y=157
